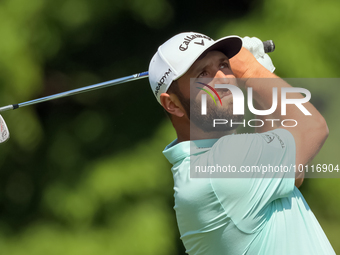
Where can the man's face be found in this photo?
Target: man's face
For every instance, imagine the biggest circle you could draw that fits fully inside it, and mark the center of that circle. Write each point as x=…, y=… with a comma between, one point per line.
x=214, y=67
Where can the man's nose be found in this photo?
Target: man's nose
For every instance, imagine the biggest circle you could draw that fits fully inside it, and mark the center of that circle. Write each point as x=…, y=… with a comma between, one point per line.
x=220, y=74
x=221, y=78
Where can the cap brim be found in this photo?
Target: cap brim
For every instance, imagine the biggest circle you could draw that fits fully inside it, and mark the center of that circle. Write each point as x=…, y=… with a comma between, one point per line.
x=229, y=45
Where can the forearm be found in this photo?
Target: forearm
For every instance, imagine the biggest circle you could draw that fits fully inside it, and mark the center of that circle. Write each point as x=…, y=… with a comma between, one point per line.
x=306, y=126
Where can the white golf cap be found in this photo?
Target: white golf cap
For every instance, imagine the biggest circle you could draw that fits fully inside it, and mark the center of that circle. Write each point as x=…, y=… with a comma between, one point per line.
x=175, y=57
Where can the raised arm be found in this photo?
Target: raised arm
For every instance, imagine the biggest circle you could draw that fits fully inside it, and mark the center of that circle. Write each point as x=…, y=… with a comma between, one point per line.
x=311, y=131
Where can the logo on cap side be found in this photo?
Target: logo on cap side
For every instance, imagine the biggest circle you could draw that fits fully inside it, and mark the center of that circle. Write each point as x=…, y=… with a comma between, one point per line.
x=162, y=80
x=185, y=44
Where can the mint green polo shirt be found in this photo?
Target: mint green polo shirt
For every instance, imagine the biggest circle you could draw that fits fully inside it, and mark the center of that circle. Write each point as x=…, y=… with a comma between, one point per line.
x=262, y=215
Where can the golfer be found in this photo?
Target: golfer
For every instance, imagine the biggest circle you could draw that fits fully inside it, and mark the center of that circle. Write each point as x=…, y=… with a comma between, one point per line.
x=258, y=215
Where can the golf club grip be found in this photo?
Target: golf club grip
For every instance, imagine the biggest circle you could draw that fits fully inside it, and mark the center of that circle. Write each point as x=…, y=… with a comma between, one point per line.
x=268, y=46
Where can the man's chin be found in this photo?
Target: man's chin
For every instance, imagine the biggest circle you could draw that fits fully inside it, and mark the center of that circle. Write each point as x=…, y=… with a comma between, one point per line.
x=206, y=122
x=207, y=125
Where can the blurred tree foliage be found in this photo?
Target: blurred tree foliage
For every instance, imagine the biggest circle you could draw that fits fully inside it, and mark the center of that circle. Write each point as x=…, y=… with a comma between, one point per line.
x=85, y=175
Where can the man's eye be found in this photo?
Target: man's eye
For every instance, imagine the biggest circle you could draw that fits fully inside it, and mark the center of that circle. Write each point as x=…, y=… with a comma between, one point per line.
x=224, y=65
x=202, y=74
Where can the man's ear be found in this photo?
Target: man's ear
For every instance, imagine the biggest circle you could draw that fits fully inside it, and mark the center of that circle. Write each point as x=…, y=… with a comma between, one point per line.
x=172, y=104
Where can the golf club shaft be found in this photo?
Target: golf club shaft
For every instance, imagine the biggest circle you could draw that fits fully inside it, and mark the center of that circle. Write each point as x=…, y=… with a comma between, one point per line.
x=77, y=91
x=269, y=46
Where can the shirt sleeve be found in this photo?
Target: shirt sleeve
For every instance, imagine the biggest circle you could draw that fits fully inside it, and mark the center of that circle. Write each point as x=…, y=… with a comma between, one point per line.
x=250, y=194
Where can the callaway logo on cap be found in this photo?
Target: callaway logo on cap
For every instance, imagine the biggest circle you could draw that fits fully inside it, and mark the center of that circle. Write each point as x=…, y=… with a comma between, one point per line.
x=175, y=57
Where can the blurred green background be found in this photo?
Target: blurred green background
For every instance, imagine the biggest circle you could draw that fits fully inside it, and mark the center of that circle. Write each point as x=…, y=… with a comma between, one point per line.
x=85, y=174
